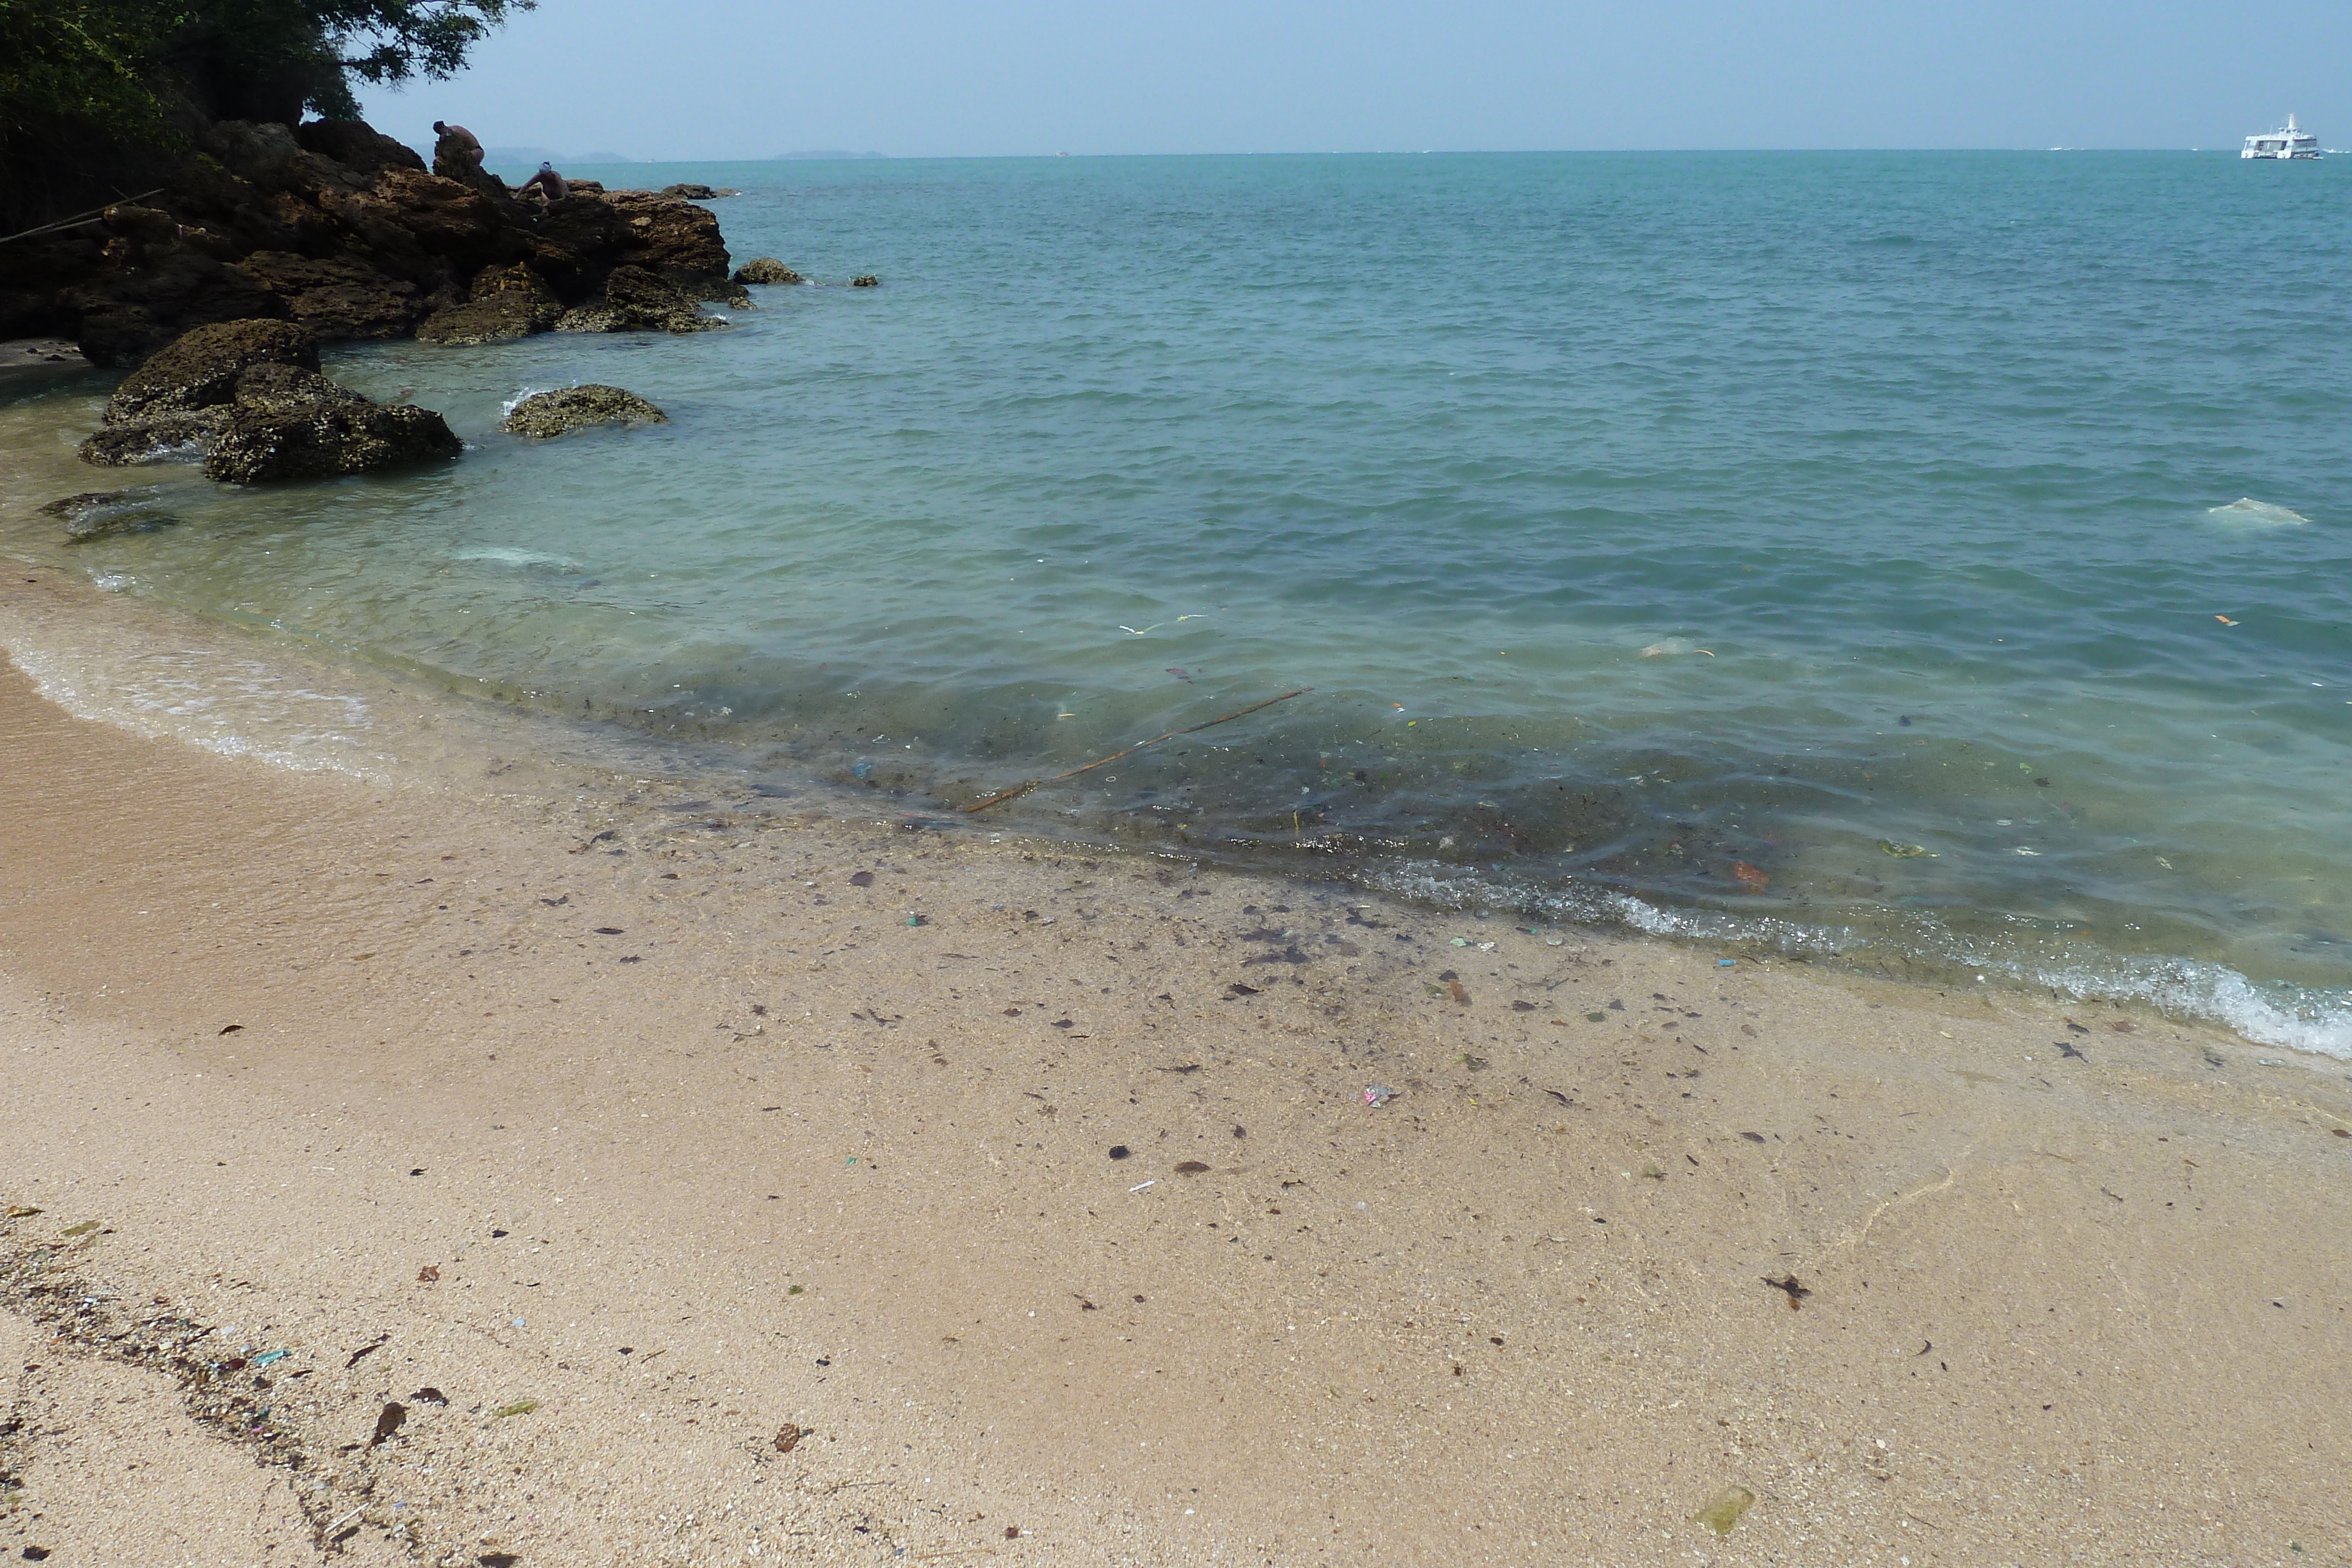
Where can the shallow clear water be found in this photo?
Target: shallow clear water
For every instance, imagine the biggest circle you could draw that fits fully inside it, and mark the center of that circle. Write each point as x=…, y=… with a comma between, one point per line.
x=1817, y=548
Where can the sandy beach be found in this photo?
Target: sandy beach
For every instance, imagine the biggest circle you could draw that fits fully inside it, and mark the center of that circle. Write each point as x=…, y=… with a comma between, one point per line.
x=452, y=1170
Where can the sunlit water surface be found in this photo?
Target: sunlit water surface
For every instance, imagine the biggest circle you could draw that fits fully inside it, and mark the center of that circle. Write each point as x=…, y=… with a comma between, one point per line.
x=1829, y=551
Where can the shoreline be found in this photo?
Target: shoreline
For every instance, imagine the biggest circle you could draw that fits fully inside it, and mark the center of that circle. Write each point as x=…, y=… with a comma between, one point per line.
x=2277, y=1013
x=832, y=1155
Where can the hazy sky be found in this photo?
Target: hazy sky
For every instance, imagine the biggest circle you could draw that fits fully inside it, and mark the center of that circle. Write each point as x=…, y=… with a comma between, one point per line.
x=721, y=78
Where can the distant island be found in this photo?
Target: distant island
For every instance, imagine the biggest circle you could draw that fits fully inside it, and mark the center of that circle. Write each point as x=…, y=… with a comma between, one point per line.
x=534, y=156
x=833, y=153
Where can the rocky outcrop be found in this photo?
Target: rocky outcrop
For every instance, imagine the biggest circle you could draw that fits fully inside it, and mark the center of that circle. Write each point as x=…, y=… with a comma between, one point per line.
x=700, y=193
x=246, y=399
x=510, y=301
x=200, y=371
x=337, y=298
x=550, y=413
x=766, y=269
x=334, y=227
x=356, y=145
x=865, y=280
x=636, y=300
x=675, y=240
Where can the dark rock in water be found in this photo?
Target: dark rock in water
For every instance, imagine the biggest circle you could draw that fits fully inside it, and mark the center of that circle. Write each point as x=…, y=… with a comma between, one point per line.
x=593, y=317
x=476, y=321
x=676, y=240
x=201, y=369
x=328, y=439
x=274, y=391
x=576, y=242
x=766, y=269
x=510, y=301
x=653, y=303
x=551, y=414
x=246, y=397
x=181, y=436
x=98, y=514
x=865, y=280
x=690, y=192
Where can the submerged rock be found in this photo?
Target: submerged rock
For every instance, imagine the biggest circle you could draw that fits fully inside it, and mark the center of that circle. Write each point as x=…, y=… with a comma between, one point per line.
x=99, y=514
x=766, y=269
x=551, y=414
x=692, y=193
x=865, y=280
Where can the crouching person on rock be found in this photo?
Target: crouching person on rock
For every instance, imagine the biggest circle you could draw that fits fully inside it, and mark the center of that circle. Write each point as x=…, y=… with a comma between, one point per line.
x=457, y=155
x=547, y=185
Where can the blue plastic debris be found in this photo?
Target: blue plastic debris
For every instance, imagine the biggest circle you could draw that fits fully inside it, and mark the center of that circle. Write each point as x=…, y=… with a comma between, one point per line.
x=1725, y=963
x=269, y=1356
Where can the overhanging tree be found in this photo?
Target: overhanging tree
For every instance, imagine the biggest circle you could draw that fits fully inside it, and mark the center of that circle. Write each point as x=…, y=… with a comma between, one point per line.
x=91, y=90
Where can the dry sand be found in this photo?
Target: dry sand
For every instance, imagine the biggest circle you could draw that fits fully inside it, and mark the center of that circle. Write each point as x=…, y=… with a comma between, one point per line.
x=588, y=1170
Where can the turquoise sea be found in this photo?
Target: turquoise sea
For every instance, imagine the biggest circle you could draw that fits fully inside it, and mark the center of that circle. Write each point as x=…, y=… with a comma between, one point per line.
x=1937, y=560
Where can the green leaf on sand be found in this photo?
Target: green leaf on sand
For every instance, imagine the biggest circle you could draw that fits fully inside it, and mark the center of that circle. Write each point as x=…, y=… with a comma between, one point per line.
x=1724, y=1512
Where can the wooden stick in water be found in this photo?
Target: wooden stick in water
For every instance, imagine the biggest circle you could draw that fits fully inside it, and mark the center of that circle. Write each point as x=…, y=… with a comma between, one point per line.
x=1019, y=789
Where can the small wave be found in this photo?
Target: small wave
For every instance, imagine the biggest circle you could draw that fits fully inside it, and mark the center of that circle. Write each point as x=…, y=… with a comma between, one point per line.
x=233, y=707
x=505, y=555
x=2247, y=512
x=2300, y=1020
x=2293, y=1017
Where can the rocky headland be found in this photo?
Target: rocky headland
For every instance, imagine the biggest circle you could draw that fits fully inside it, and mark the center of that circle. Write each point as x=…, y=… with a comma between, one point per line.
x=345, y=233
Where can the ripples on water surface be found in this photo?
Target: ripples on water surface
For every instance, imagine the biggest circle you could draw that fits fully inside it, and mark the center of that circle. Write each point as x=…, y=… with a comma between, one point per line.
x=1818, y=548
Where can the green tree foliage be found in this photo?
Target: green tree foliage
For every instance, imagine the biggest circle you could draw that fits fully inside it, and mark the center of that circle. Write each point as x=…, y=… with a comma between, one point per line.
x=89, y=85
x=79, y=64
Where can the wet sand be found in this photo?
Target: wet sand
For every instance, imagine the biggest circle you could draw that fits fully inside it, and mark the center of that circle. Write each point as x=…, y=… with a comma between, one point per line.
x=741, y=1184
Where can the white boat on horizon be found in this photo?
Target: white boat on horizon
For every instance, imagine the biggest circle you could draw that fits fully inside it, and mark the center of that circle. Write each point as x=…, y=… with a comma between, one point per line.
x=2289, y=141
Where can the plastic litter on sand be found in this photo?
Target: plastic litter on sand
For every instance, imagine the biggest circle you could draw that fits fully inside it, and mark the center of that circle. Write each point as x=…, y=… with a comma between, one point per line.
x=1378, y=1095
